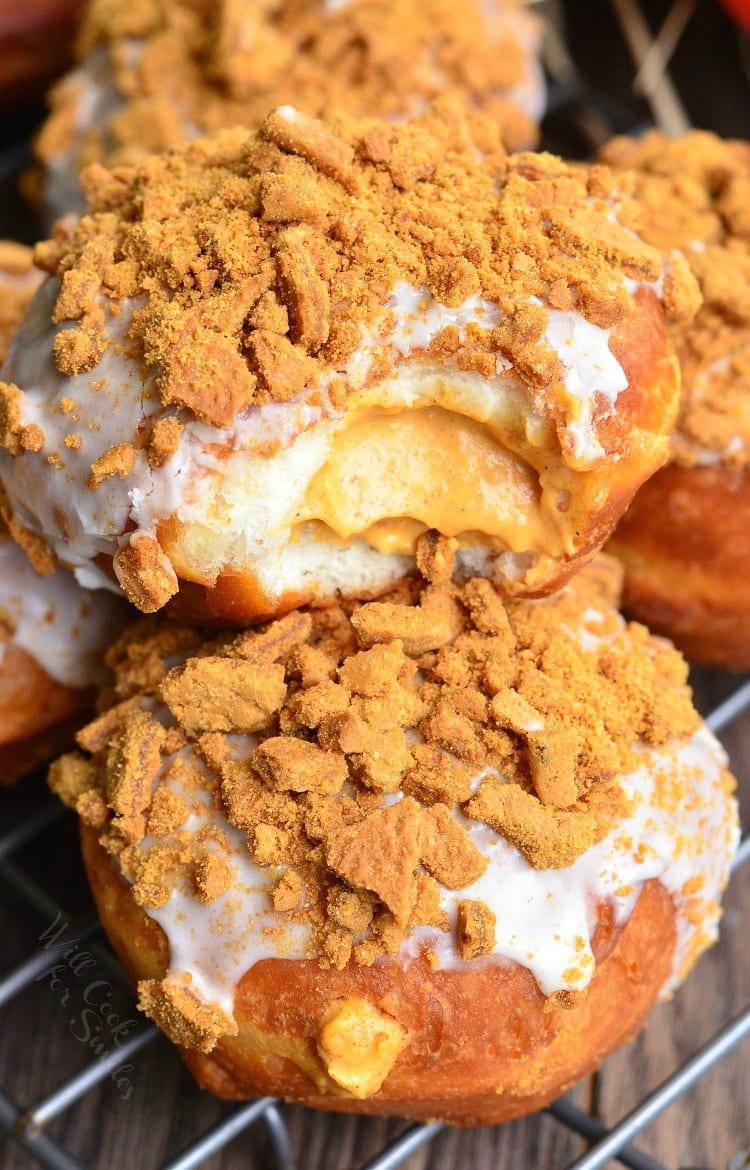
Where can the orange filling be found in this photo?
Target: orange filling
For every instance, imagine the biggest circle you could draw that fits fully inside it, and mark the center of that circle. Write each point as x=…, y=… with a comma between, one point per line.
x=390, y=476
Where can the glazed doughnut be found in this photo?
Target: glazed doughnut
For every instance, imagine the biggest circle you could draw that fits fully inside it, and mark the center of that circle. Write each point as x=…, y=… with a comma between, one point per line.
x=52, y=632
x=52, y=637
x=434, y=855
x=274, y=370
x=685, y=541
x=36, y=44
x=150, y=79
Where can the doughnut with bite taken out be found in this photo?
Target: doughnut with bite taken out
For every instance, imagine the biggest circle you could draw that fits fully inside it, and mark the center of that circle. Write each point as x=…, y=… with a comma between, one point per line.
x=274, y=370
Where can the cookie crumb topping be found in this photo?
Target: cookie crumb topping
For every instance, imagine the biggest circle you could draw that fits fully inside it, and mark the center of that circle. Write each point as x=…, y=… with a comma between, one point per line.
x=251, y=298
x=354, y=769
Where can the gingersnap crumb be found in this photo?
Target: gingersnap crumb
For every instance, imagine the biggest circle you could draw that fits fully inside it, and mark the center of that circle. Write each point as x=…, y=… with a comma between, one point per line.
x=692, y=194
x=71, y=776
x=182, y=1015
x=242, y=307
x=146, y=576
x=475, y=929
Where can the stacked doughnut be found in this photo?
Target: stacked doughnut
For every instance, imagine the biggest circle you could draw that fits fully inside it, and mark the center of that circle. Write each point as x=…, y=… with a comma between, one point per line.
x=685, y=542
x=151, y=76
x=53, y=633
x=387, y=809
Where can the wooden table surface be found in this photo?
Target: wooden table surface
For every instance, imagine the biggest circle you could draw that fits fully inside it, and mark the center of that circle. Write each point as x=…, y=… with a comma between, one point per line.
x=155, y=1111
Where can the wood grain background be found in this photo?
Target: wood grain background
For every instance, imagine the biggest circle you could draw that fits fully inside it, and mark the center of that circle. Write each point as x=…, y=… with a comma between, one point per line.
x=43, y=1034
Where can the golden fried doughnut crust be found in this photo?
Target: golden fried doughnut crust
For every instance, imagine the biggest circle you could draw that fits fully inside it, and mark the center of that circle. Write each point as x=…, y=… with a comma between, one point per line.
x=38, y=715
x=487, y=1029
x=685, y=545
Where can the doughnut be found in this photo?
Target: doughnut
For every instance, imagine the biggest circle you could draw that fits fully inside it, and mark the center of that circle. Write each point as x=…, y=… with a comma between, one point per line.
x=434, y=855
x=151, y=77
x=36, y=43
x=685, y=541
x=52, y=632
x=273, y=370
x=52, y=637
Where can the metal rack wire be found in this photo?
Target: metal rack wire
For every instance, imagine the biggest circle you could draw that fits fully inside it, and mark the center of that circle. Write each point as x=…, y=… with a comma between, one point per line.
x=28, y=1124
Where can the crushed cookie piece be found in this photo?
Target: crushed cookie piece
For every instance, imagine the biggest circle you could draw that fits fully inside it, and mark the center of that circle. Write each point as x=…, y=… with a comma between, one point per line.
x=92, y=809
x=488, y=613
x=436, y=555
x=145, y=573
x=381, y=854
x=288, y=764
x=212, y=877
x=549, y=838
x=288, y=892
x=118, y=460
x=168, y=812
x=71, y=777
x=304, y=294
x=133, y=762
x=182, y=1015
x=509, y=709
x=434, y=624
x=436, y=776
x=311, y=665
x=553, y=758
x=475, y=929
x=275, y=642
x=446, y=850
x=283, y=369
x=220, y=694
x=163, y=441
x=31, y=438
x=454, y=732
x=308, y=138
x=10, y=417
x=350, y=909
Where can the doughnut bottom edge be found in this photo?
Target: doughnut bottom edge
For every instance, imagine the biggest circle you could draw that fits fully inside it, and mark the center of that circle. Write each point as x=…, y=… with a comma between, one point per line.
x=485, y=1045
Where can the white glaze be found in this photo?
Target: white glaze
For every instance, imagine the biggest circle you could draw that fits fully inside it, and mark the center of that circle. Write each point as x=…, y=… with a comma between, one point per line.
x=592, y=373
x=545, y=918
x=218, y=942
x=64, y=628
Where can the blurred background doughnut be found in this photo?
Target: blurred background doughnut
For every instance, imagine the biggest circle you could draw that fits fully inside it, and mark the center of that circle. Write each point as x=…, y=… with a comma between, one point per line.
x=685, y=541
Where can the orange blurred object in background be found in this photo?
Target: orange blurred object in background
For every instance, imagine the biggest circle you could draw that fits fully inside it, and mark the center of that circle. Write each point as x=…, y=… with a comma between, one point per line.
x=740, y=10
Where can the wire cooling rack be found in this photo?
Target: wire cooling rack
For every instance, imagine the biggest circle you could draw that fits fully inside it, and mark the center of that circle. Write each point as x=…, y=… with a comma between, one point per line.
x=575, y=111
